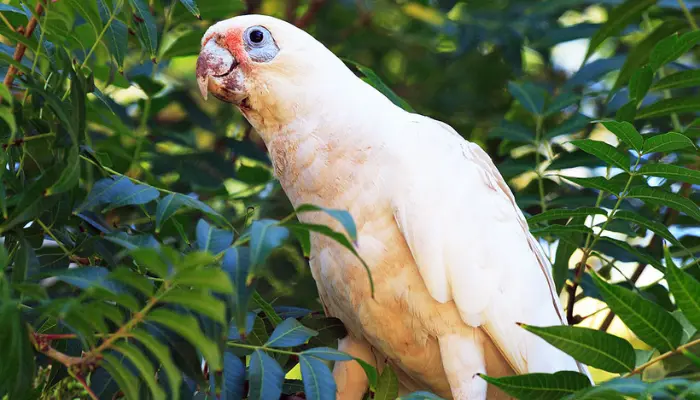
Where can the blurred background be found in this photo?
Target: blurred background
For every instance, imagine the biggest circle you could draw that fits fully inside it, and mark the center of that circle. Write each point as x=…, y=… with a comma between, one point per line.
x=464, y=62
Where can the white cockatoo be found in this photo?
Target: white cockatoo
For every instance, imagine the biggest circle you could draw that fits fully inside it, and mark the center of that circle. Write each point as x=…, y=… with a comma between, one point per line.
x=454, y=265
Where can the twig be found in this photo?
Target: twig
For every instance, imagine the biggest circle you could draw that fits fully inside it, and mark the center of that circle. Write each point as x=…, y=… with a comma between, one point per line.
x=664, y=356
x=81, y=379
x=669, y=219
x=21, y=48
x=310, y=14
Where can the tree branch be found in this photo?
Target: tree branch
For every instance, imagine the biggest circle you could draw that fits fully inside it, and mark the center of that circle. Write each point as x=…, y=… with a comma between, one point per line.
x=21, y=48
x=303, y=21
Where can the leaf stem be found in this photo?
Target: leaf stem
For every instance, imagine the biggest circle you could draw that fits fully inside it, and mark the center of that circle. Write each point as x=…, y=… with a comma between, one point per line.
x=688, y=15
x=111, y=171
x=58, y=242
x=664, y=356
x=269, y=349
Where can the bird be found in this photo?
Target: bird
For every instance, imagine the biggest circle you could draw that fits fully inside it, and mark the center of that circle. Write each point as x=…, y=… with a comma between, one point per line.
x=454, y=266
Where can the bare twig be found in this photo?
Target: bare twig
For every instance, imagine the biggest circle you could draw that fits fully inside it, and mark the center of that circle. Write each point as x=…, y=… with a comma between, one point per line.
x=310, y=14
x=291, y=11
x=21, y=48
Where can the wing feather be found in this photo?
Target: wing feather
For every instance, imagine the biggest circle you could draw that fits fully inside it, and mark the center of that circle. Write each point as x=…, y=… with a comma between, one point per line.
x=472, y=244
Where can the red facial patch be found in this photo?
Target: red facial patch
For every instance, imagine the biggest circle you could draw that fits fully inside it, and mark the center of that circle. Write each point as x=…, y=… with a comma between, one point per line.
x=232, y=40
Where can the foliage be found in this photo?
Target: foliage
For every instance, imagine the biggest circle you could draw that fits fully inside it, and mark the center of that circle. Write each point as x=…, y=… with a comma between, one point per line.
x=149, y=253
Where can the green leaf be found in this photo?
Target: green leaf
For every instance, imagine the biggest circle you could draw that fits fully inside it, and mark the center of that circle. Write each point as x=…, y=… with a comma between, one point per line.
x=530, y=96
x=211, y=278
x=665, y=107
x=618, y=19
x=627, y=112
x=647, y=320
x=670, y=171
x=265, y=236
x=70, y=174
x=128, y=383
x=561, y=101
x=654, y=226
x=199, y=301
x=575, y=123
x=6, y=94
x=150, y=258
x=626, y=132
x=605, y=152
x=86, y=10
x=290, y=333
x=135, y=195
x=145, y=26
x=662, y=198
x=326, y=353
x=640, y=255
x=589, y=346
x=540, y=386
x=162, y=354
x=682, y=79
x=341, y=216
x=116, y=35
x=597, y=182
x=370, y=371
x=387, y=386
x=212, y=239
x=560, y=230
x=143, y=365
x=686, y=291
x=171, y=203
x=638, y=54
x=640, y=83
x=673, y=47
x=115, y=187
x=9, y=118
x=266, y=307
x=373, y=79
x=338, y=237
x=191, y=6
x=188, y=327
x=666, y=142
x=513, y=131
x=561, y=213
x=265, y=377
x=234, y=377
x=318, y=380
x=236, y=265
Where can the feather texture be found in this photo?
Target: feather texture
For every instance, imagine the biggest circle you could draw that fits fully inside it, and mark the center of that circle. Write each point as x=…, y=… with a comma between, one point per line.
x=454, y=265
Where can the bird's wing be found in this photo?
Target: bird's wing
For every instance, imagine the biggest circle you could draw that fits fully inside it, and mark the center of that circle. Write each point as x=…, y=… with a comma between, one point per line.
x=472, y=244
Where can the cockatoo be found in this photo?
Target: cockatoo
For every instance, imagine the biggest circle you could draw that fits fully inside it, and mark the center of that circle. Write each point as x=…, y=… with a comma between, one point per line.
x=454, y=265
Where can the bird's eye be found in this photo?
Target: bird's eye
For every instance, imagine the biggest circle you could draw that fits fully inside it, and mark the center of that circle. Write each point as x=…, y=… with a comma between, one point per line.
x=256, y=36
x=260, y=44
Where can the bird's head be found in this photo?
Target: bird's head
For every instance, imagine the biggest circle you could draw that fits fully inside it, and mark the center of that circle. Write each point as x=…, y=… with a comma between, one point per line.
x=270, y=69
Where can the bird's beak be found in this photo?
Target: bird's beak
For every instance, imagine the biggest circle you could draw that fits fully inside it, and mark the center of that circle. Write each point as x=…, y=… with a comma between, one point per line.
x=214, y=62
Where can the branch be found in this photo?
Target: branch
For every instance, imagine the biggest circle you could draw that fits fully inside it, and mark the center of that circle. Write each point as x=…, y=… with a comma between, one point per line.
x=664, y=356
x=303, y=21
x=21, y=48
x=669, y=219
x=291, y=11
